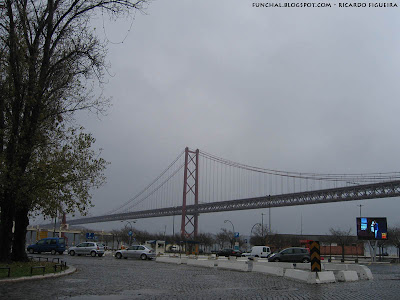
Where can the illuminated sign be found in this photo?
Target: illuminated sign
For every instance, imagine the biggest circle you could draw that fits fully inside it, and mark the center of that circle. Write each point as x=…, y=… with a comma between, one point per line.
x=372, y=228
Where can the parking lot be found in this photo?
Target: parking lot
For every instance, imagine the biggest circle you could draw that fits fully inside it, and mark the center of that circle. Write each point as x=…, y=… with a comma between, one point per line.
x=109, y=278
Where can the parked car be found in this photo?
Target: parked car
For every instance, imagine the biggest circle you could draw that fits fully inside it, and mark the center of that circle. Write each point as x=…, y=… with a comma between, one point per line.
x=136, y=251
x=86, y=248
x=258, y=251
x=174, y=248
x=229, y=252
x=53, y=245
x=294, y=254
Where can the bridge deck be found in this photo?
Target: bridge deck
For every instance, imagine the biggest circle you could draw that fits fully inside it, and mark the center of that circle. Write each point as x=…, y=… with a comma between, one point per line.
x=357, y=192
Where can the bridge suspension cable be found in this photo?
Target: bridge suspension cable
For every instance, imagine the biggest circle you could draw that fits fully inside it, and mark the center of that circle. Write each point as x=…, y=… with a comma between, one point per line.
x=132, y=203
x=224, y=185
x=356, y=178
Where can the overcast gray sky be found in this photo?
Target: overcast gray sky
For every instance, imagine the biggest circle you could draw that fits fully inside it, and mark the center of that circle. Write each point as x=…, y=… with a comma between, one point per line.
x=297, y=89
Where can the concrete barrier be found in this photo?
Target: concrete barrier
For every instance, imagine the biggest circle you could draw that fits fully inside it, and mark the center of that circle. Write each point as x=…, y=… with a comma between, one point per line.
x=310, y=277
x=300, y=275
x=335, y=267
x=363, y=272
x=233, y=265
x=268, y=268
x=259, y=259
x=303, y=266
x=325, y=277
x=208, y=263
x=285, y=265
x=167, y=259
x=171, y=259
x=346, y=276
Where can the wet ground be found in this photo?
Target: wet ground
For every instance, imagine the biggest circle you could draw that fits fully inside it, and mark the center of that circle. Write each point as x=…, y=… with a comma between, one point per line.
x=109, y=278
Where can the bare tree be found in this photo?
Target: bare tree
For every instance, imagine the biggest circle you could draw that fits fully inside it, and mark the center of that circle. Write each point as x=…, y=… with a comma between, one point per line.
x=224, y=237
x=258, y=235
x=342, y=238
x=49, y=62
x=206, y=240
x=394, y=238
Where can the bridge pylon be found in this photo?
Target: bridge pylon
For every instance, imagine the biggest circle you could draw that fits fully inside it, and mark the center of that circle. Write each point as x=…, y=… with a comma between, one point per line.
x=189, y=225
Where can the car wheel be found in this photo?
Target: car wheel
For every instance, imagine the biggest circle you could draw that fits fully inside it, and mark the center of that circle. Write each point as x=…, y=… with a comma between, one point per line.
x=31, y=251
x=72, y=252
x=53, y=252
x=143, y=256
x=118, y=255
x=92, y=254
x=305, y=260
x=100, y=255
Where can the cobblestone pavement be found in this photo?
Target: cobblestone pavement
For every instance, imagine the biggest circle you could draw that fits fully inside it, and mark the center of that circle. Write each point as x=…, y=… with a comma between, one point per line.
x=109, y=278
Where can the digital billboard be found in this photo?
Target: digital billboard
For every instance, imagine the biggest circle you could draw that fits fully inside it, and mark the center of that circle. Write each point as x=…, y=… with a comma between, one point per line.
x=371, y=228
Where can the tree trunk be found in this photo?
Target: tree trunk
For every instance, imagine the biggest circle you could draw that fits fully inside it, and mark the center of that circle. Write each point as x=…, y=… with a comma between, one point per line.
x=342, y=252
x=19, y=246
x=6, y=224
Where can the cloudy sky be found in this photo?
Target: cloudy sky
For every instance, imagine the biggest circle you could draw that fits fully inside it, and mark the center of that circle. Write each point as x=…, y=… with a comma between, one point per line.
x=297, y=89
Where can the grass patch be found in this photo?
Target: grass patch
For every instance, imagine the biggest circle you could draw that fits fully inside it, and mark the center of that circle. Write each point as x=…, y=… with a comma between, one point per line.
x=21, y=269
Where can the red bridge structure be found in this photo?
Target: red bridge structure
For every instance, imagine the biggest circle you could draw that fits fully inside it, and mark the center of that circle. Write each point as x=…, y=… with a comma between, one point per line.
x=210, y=184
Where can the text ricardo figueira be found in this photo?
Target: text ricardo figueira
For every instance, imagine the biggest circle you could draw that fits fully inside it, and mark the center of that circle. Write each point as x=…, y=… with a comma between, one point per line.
x=322, y=4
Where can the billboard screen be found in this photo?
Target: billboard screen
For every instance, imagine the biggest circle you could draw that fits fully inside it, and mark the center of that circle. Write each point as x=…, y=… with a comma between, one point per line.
x=371, y=228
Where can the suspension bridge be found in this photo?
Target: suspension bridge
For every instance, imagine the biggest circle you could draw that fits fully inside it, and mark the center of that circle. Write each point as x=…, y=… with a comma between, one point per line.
x=197, y=182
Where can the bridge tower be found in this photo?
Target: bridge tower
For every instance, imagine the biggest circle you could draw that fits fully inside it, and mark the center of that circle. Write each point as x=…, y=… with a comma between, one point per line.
x=189, y=225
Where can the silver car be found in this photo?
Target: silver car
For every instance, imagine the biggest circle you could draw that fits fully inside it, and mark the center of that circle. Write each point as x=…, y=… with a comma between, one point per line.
x=136, y=251
x=86, y=248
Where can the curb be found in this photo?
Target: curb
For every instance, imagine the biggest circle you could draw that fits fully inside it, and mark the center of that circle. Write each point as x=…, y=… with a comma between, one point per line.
x=71, y=269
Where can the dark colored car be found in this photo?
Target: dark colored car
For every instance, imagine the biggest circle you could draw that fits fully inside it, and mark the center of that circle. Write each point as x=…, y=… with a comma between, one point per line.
x=294, y=254
x=229, y=252
x=53, y=245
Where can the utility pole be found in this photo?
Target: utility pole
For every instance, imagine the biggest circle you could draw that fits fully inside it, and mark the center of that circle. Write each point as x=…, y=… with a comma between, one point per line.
x=301, y=224
x=269, y=219
x=262, y=224
x=360, y=205
x=173, y=225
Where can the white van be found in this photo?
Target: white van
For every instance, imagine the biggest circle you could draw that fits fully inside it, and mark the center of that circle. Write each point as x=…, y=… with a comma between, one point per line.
x=259, y=251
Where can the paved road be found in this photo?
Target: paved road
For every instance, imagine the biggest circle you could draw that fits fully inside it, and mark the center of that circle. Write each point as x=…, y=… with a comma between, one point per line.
x=109, y=278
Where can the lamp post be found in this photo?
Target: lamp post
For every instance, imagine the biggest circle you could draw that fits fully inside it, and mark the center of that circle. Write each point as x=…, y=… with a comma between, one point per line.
x=251, y=231
x=130, y=224
x=262, y=224
x=233, y=227
x=360, y=205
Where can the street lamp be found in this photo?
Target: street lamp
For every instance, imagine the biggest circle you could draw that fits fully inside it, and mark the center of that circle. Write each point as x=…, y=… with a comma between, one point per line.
x=360, y=205
x=233, y=227
x=130, y=224
x=262, y=224
x=251, y=231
